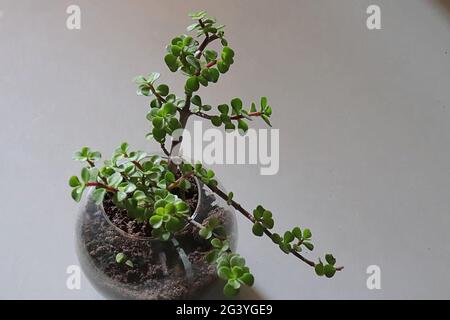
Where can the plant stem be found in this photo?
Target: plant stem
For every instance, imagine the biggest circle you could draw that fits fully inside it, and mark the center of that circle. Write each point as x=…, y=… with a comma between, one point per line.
x=236, y=117
x=157, y=95
x=176, y=184
x=208, y=39
x=251, y=114
x=184, y=116
x=211, y=63
x=250, y=217
x=163, y=147
x=101, y=185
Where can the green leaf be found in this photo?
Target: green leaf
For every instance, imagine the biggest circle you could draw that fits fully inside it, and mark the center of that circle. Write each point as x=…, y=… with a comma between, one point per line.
x=115, y=179
x=214, y=74
x=158, y=134
x=227, y=55
x=158, y=122
x=288, y=237
x=210, y=174
x=258, y=229
x=248, y=279
x=230, y=198
x=329, y=270
x=156, y=221
x=236, y=104
x=95, y=155
x=121, y=257
x=216, y=243
x=139, y=195
x=182, y=207
x=276, y=238
x=228, y=51
x=266, y=119
x=297, y=232
x=85, y=175
x=234, y=283
x=121, y=196
x=174, y=224
x=152, y=77
x=206, y=107
x=307, y=234
x=128, y=188
x=216, y=121
x=224, y=273
x=258, y=212
x=198, y=15
x=203, y=81
x=129, y=263
x=223, y=108
x=169, y=108
x=193, y=62
x=205, y=232
x=210, y=55
x=192, y=84
x=222, y=67
x=237, y=260
x=309, y=246
x=188, y=41
x=253, y=107
x=170, y=177
x=192, y=27
x=330, y=259
x=196, y=100
x=175, y=50
x=163, y=89
x=170, y=208
x=263, y=103
x=171, y=62
x=242, y=125
x=285, y=247
x=98, y=195
x=77, y=193
x=319, y=269
x=212, y=256
x=230, y=291
x=74, y=182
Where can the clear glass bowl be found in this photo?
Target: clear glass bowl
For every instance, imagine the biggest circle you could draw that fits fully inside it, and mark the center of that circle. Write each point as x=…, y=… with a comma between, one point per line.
x=175, y=269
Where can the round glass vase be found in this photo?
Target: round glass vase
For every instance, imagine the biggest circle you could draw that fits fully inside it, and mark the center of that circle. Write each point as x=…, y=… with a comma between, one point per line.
x=174, y=269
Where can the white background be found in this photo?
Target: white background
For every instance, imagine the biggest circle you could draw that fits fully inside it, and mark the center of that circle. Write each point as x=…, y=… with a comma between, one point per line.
x=363, y=118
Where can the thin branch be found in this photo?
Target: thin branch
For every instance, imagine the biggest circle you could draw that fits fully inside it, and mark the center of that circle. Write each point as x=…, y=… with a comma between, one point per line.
x=251, y=114
x=177, y=183
x=211, y=64
x=101, y=185
x=184, y=116
x=202, y=115
x=250, y=217
x=208, y=39
x=157, y=95
x=163, y=147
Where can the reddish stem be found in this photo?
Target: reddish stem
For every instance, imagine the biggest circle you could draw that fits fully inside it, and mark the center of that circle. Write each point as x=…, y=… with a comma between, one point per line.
x=101, y=185
x=251, y=114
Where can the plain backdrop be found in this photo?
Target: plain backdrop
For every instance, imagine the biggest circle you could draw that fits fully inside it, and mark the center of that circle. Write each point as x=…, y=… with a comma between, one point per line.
x=364, y=120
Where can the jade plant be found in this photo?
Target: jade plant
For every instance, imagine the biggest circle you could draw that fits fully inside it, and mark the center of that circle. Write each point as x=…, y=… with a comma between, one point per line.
x=147, y=186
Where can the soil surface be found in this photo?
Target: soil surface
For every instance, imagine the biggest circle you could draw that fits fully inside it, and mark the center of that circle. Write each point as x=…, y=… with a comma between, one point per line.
x=162, y=270
x=120, y=218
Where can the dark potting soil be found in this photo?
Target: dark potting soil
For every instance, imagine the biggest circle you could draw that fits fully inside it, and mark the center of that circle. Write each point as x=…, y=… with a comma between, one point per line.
x=158, y=271
x=120, y=218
